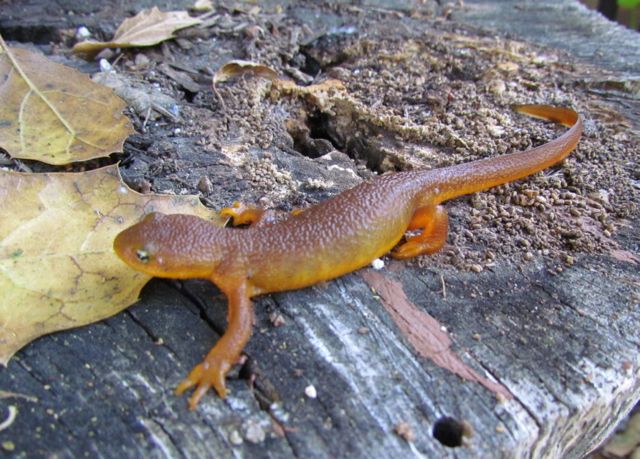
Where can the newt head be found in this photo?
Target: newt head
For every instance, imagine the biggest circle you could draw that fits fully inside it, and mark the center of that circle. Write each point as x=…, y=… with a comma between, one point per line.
x=173, y=246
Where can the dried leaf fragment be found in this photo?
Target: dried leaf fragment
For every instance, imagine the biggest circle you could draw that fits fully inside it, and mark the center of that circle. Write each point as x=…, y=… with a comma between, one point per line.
x=55, y=114
x=147, y=28
x=236, y=68
x=57, y=265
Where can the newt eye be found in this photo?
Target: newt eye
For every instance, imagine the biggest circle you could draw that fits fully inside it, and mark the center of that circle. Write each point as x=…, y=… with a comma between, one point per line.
x=143, y=255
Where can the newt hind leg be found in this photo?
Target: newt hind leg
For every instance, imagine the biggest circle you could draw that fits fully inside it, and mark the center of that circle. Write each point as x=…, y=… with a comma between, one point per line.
x=434, y=222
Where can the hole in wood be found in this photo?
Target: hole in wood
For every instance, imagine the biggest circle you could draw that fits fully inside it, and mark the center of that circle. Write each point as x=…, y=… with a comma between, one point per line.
x=449, y=431
x=318, y=134
x=312, y=136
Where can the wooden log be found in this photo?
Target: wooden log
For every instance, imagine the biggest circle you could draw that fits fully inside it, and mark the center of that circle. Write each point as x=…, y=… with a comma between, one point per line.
x=329, y=372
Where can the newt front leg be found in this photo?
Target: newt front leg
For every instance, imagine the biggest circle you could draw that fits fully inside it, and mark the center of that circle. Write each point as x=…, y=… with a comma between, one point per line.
x=241, y=214
x=213, y=369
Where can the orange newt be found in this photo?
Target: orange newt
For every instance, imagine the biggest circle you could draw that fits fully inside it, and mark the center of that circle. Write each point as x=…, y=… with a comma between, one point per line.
x=325, y=241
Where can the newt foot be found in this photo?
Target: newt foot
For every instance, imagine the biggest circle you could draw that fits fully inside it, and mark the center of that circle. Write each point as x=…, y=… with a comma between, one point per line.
x=210, y=373
x=410, y=249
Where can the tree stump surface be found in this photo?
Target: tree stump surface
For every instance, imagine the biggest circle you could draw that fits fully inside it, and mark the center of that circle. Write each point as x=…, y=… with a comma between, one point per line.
x=536, y=359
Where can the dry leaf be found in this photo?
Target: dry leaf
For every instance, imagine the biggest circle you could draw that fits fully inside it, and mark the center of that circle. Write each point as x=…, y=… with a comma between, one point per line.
x=147, y=28
x=44, y=108
x=238, y=67
x=57, y=265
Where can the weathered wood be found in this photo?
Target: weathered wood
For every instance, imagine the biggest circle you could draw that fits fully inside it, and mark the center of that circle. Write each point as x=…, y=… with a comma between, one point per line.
x=564, y=344
x=566, y=25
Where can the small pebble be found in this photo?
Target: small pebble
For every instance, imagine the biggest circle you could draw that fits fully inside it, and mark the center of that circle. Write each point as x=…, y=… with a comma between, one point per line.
x=105, y=66
x=377, y=263
x=310, y=391
x=235, y=438
x=476, y=268
x=495, y=131
x=141, y=60
x=254, y=433
x=204, y=185
x=277, y=319
x=143, y=186
x=497, y=87
x=82, y=33
x=404, y=431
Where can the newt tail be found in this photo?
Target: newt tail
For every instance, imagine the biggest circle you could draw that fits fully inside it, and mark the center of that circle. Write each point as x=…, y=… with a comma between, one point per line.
x=486, y=173
x=325, y=241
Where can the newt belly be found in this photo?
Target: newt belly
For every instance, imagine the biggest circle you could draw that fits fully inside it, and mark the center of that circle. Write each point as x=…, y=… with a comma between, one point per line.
x=322, y=242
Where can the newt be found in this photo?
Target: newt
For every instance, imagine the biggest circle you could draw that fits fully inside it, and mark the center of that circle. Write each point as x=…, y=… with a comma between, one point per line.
x=332, y=238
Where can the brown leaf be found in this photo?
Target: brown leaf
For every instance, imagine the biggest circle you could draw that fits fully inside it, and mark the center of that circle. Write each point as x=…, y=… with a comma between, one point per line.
x=239, y=67
x=147, y=28
x=44, y=110
x=58, y=269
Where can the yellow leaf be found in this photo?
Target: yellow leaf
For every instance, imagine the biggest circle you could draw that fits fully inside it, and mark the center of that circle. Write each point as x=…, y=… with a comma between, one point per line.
x=57, y=265
x=238, y=67
x=147, y=28
x=55, y=114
